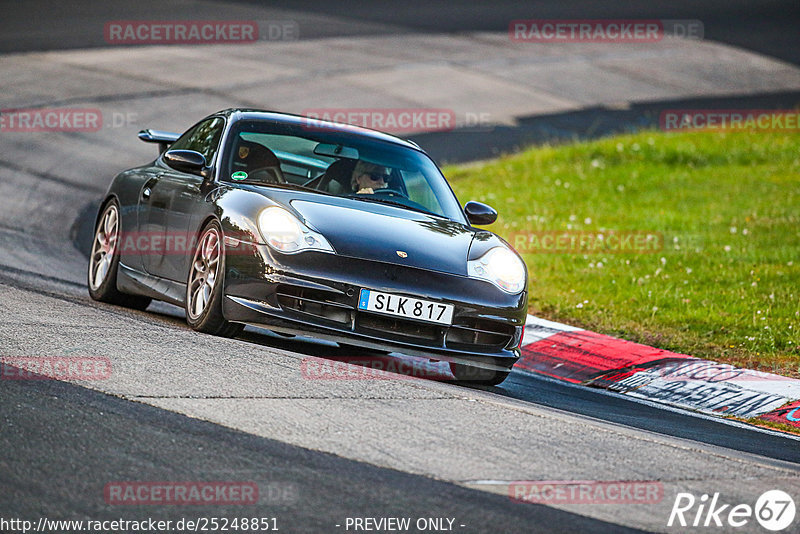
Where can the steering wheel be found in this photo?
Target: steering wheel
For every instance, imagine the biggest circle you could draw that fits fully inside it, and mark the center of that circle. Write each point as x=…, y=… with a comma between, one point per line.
x=270, y=175
x=390, y=192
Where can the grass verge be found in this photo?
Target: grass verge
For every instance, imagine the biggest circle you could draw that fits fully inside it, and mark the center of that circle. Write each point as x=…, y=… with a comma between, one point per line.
x=772, y=425
x=720, y=276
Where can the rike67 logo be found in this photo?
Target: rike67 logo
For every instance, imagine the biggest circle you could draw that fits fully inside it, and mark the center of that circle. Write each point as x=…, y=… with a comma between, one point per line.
x=774, y=510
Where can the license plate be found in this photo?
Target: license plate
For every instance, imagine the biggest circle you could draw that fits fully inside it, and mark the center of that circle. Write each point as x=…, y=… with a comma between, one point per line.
x=408, y=307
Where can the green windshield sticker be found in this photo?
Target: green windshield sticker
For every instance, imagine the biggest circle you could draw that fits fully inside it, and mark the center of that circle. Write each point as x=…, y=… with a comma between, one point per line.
x=240, y=175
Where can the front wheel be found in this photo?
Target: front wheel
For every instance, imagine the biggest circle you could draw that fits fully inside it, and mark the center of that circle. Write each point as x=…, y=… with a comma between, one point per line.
x=204, y=286
x=466, y=374
x=104, y=262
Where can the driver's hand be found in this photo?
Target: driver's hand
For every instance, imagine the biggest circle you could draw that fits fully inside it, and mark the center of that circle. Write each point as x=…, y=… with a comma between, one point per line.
x=365, y=191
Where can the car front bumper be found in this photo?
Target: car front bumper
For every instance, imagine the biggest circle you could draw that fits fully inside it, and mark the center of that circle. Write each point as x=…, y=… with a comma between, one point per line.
x=316, y=294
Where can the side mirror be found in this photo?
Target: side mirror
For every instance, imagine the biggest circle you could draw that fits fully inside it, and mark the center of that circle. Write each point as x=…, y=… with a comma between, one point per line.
x=185, y=161
x=479, y=213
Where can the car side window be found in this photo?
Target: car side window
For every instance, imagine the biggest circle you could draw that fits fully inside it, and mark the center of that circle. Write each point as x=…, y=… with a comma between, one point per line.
x=203, y=138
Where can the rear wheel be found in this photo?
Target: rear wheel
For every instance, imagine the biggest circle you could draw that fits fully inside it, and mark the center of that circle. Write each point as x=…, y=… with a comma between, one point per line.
x=204, y=286
x=104, y=262
x=466, y=374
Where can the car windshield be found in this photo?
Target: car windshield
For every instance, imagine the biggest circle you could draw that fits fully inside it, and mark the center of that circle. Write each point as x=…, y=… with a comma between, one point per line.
x=337, y=163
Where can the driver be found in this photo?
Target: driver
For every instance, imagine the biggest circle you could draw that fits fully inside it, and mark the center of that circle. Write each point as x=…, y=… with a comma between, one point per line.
x=368, y=176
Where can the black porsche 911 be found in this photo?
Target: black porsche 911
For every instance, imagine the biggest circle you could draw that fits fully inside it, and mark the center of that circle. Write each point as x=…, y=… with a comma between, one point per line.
x=313, y=228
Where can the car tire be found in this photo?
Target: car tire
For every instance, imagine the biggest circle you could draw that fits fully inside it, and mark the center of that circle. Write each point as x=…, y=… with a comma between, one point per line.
x=467, y=374
x=104, y=262
x=204, y=285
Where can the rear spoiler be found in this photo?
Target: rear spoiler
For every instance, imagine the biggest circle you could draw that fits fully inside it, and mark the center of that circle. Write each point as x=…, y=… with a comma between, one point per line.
x=164, y=139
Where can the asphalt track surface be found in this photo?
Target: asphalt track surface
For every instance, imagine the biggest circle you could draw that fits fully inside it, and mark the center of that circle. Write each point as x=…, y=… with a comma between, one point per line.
x=593, y=122
x=766, y=27
x=650, y=417
x=60, y=466
x=60, y=442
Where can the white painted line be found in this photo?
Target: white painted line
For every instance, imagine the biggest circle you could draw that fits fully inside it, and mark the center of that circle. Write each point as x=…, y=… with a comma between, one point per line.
x=537, y=329
x=662, y=406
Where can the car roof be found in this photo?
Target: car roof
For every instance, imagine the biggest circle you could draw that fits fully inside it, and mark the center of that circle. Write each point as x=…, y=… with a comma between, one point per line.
x=236, y=114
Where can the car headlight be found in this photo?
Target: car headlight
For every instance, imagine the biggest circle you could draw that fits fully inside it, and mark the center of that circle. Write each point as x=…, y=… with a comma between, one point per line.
x=283, y=232
x=501, y=267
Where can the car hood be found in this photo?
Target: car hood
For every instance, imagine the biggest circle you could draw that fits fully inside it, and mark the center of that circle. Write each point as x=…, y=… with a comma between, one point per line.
x=380, y=232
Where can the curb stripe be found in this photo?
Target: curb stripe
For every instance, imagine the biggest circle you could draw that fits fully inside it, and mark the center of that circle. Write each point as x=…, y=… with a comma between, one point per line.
x=788, y=415
x=582, y=357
